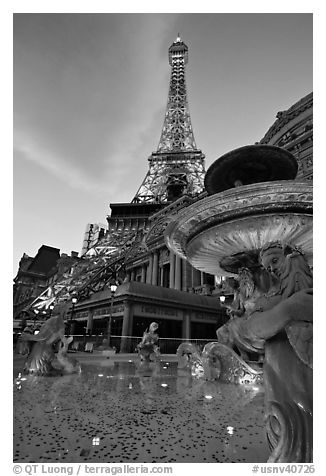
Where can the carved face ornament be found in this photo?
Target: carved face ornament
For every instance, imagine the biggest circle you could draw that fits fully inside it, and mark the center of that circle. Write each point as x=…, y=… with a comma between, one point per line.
x=273, y=260
x=153, y=327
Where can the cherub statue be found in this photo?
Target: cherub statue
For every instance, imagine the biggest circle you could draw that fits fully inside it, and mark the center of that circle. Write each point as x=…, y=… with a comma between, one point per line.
x=41, y=356
x=280, y=323
x=149, y=344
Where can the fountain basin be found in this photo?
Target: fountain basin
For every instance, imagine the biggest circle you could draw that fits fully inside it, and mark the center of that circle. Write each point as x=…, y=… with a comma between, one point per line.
x=114, y=413
x=250, y=164
x=212, y=232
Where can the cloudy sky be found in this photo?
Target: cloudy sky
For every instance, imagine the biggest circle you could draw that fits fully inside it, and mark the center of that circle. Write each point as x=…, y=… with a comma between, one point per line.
x=90, y=92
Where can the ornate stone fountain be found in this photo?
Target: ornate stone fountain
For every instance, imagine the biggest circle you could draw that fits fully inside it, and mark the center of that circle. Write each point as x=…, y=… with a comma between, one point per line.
x=256, y=224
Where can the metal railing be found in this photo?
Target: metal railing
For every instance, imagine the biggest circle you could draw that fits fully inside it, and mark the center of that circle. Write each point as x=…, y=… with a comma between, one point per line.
x=128, y=344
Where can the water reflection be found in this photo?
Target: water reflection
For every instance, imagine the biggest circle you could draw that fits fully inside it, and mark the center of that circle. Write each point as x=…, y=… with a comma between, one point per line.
x=89, y=415
x=147, y=373
x=147, y=378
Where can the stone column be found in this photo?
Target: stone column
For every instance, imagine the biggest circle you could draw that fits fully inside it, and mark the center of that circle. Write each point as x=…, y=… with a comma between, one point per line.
x=126, y=344
x=155, y=269
x=143, y=273
x=177, y=282
x=149, y=270
x=172, y=269
x=195, y=278
x=202, y=278
x=161, y=275
x=184, y=277
x=186, y=325
x=90, y=320
x=132, y=275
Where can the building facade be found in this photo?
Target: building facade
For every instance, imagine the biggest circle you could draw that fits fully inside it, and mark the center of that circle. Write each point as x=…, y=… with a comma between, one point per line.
x=293, y=131
x=154, y=284
x=35, y=275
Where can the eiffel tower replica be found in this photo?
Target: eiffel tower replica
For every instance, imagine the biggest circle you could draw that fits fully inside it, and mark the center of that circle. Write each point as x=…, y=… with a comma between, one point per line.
x=176, y=170
x=177, y=167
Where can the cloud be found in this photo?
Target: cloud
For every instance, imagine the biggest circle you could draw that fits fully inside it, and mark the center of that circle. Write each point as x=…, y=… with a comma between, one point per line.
x=96, y=139
x=58, y=166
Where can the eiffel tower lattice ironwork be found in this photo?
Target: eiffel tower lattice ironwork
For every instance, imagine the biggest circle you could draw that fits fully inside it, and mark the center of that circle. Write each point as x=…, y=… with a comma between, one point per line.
x=177, y=167
x=102, y=265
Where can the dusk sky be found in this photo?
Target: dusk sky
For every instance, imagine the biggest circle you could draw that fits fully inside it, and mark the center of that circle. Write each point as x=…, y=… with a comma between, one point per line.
x=90, y=92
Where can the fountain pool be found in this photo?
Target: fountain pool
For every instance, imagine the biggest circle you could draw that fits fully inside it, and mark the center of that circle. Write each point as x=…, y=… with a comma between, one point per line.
x=115, y=411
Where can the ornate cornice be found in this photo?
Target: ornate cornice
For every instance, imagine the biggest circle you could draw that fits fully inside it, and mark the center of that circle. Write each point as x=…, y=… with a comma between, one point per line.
x=269, y=198
x=284, y=117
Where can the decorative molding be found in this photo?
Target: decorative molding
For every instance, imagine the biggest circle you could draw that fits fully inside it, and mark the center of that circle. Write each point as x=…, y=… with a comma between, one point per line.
x=248, y=203
x=284, y=117
x=207, y=250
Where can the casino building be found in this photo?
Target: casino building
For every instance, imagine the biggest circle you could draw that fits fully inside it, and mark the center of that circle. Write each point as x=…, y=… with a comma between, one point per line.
x=154, y=283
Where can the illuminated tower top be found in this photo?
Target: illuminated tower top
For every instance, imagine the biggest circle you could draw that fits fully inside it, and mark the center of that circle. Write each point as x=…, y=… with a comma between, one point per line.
x=177, y=167
x=177, y=134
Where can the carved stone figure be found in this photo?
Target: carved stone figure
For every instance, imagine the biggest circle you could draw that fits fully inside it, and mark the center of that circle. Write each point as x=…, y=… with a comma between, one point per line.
x=252, y=285
x=220, y=362
x=42, y=359
x=148, y=347
x=39, y=361
x=281, y=325
x=188, y=356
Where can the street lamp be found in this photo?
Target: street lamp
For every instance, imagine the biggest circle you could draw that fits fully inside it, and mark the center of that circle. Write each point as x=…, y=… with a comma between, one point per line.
x=36, y=311
x=74, y=301
x=113, y=288
x=51, y=309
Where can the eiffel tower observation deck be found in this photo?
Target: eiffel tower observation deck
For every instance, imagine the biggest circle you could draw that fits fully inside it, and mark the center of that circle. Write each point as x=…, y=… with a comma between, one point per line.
x=177, y=167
